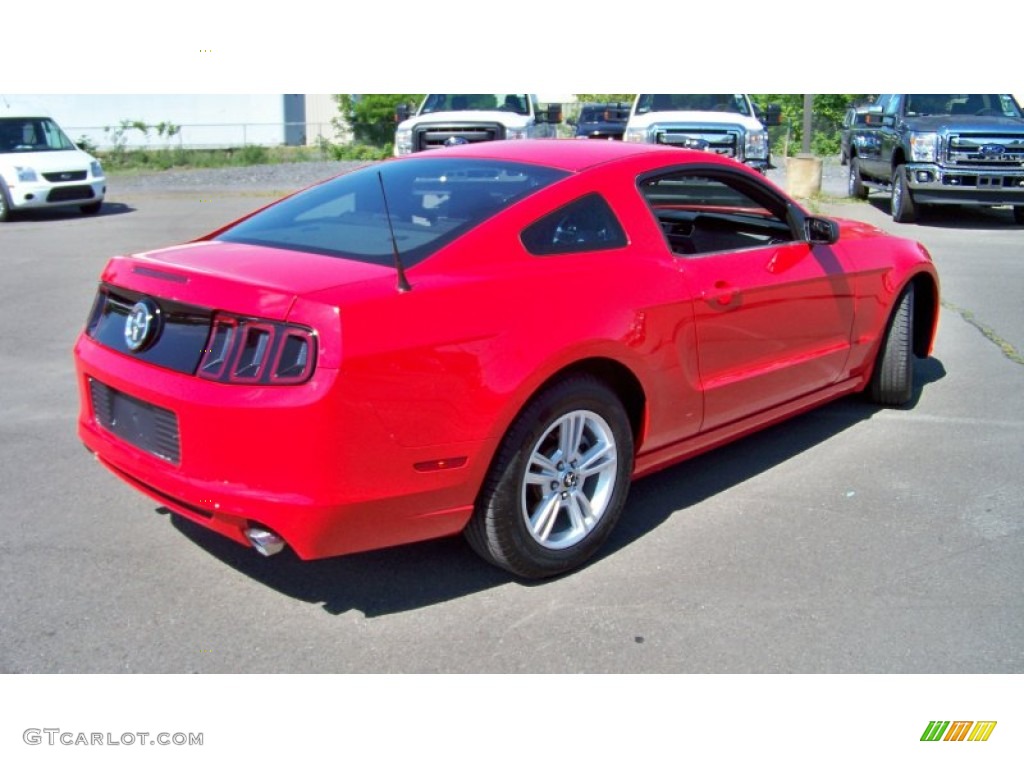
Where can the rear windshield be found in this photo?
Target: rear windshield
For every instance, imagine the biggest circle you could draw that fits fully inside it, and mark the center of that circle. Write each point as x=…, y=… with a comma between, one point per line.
x=431, y=202
x=602, y=114
x=32, y=134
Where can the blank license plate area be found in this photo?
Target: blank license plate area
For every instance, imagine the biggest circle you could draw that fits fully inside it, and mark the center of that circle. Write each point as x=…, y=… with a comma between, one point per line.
x=146, y=426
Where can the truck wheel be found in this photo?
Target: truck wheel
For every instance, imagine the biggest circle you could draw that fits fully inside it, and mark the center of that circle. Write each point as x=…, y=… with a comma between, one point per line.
x=902, y=205
x=855, y=185
x=892, y=381
x=5, y=207
x=1018, y=214
x=558, y=482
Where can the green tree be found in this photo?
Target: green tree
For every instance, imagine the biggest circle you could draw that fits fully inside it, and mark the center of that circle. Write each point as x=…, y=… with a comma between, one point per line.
x=371, y=116
x=828, y=112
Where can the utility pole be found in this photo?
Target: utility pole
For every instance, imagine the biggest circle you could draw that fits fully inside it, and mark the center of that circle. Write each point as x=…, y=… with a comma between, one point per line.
x=808, y=114
x=803, y=172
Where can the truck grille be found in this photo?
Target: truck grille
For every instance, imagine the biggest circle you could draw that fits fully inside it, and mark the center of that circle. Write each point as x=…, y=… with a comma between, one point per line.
x=719, y=140
x=992, y=150
x=434, y=136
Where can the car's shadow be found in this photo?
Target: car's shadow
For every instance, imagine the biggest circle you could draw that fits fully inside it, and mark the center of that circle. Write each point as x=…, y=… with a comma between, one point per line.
x=956, y=216
x=418, y=575
x=63, y=214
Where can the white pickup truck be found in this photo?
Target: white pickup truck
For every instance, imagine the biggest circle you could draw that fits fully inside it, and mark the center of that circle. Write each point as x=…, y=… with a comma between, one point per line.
x=449, y=119
x=727, y=124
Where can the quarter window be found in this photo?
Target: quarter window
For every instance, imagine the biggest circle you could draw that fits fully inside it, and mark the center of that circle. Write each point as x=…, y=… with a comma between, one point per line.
x=587, y=224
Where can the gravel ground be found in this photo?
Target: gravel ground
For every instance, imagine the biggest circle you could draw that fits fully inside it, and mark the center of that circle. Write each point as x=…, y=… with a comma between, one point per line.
x=282, y=177
x=285, y=177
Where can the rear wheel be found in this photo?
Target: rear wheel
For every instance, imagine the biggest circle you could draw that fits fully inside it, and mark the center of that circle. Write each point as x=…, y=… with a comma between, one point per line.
x=855, y=185
x=892, y=382
x=558, y=482
x=903, y=210
x=1018, y=214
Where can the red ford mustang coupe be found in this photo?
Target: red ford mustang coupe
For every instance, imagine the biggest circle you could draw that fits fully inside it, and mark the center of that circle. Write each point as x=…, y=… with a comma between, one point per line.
x=488, y=339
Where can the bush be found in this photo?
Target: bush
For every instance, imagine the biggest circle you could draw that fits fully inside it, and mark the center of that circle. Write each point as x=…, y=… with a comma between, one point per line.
x=359, y=152
x=250, y=154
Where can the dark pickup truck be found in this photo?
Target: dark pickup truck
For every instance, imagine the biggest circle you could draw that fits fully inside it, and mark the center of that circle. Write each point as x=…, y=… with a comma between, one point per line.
x=602, y=121
x=942, y=149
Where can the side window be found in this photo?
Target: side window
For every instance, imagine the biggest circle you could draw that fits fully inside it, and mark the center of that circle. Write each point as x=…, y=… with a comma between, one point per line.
x=892, y=106
x=587, y=224
x=712, y=212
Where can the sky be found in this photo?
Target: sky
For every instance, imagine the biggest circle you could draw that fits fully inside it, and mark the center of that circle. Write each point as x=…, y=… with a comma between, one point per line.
x=756, y=47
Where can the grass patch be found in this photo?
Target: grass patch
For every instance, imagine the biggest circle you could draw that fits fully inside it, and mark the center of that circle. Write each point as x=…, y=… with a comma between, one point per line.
x=123, y=161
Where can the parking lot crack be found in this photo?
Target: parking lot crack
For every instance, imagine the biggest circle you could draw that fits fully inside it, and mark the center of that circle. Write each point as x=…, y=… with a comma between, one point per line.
x=1010, y=352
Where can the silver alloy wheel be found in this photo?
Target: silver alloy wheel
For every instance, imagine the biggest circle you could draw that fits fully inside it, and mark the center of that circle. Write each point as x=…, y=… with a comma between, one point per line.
x=897, y=195
x=569, y=480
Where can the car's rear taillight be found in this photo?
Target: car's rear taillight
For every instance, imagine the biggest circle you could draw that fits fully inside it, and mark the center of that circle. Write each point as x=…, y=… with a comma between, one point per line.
x=249, y=351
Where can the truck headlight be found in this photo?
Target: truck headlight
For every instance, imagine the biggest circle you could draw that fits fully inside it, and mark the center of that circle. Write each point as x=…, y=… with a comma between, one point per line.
x=516, y=133
x=756, y=145
x=96, y=169
x=25, y=173
x=638, y=135
x=924, y=147
x=403, y=141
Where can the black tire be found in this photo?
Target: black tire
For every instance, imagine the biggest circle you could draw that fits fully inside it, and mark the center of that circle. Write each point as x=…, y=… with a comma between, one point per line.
x=892, y=381
x=91, y=209
x=1018, y=214
x=537, y=515
x=855, y=184
x=902, y=205
x=5, y=204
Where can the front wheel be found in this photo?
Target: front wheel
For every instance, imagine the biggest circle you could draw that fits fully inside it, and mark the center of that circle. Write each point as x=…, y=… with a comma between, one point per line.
x=90, y=209
x=855, y=185
x=5, y=206
x=903, y=210
x=892, y=381
x=1018, y=214
x=558, y=482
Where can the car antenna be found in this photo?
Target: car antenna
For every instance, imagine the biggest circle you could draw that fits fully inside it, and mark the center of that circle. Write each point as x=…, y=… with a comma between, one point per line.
x=403, y=283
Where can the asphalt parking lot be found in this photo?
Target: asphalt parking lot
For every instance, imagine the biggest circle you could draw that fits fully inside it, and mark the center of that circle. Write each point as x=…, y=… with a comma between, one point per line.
x=851, y=539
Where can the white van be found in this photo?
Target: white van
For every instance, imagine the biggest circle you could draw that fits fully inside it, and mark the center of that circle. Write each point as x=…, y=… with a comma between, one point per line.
x=40, y=167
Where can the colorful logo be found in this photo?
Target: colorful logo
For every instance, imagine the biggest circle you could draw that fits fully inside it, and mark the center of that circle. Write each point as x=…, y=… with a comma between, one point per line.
x=958, y=730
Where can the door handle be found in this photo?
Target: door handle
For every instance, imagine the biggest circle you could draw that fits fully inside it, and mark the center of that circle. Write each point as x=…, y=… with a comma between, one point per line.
x=723, y=294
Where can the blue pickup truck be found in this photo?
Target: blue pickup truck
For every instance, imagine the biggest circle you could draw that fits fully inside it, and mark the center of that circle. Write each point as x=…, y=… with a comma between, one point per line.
x=942, y=149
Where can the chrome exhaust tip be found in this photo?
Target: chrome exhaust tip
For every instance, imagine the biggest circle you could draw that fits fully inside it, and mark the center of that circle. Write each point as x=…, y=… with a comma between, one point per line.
x=264, y=542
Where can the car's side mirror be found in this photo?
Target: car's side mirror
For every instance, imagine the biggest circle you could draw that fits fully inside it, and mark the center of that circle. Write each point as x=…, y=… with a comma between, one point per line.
x=875, y=116
x=402, y=113
x=772, y=115
x=820, y=231
x=552, y=115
